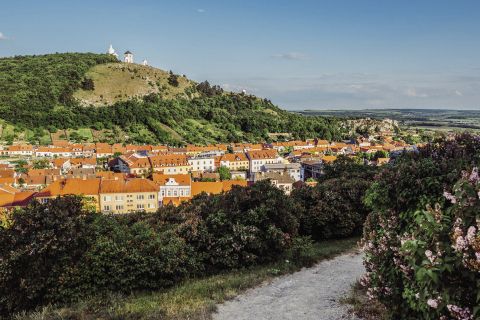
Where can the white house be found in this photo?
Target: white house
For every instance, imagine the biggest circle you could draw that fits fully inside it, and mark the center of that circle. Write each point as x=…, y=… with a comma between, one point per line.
x=202, y=164
x=173, y=186
x=259, y=158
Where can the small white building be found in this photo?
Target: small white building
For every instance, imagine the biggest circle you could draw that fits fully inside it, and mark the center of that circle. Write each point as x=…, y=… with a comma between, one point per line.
x=128, y=57
x=112, y=51
x=145, y=62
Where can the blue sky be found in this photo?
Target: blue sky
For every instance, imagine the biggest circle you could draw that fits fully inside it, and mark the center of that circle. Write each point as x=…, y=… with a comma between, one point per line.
x=300, y=54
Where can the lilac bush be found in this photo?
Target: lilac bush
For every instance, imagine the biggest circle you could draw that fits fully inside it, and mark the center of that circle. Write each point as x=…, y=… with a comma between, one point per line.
x=422, y=240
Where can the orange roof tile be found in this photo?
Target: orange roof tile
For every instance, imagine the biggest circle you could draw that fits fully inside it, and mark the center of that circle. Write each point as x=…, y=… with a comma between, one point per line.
x=181, y=179
x=71, y=186
x=128, y=186
x=228, y=184
x=83, y=161
x=234, y=157
x=208, y=187
x=329, y=159
x=168, y=160
x=20, y=147
x=262, y=154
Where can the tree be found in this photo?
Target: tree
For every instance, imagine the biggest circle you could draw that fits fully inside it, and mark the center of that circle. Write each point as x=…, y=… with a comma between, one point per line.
x=41, y=164
x=21, y=166
x=173, y=79
x=87, y=84
x=224, y=173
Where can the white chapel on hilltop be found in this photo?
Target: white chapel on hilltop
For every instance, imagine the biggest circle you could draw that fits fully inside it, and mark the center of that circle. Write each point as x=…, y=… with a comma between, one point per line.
x=128, y=56
x=112, y=51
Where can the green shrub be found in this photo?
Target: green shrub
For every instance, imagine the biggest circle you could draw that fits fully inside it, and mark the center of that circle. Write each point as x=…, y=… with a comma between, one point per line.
x=59, y=252
x=334, y=207
x=37, y=247
x=124, y=258
x=243, y=227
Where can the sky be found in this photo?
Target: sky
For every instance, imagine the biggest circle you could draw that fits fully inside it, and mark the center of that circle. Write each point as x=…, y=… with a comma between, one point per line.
x=302, y=54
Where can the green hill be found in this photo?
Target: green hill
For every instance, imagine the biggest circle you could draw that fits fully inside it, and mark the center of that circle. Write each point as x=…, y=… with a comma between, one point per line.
x=114, y=82
x=94, y=97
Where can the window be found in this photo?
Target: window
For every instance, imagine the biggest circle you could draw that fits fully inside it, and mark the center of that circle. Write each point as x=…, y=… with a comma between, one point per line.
x=140, y=197
x=106, y=208
x=107, y=198
x=151, y=196
x=151, y=206
x=118, y=198
x=140, y=206
x=119, y=207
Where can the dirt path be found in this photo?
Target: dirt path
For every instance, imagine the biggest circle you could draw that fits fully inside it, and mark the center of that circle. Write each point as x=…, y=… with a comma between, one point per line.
x=310, y=294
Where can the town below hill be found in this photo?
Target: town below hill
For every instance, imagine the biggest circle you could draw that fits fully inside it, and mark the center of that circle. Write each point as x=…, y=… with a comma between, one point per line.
x=126, y=178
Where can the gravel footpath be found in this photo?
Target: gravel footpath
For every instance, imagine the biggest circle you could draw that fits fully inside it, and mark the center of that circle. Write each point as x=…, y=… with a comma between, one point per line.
x=312, y=293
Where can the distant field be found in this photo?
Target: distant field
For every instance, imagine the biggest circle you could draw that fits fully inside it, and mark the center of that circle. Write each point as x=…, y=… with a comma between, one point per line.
x=430, y=119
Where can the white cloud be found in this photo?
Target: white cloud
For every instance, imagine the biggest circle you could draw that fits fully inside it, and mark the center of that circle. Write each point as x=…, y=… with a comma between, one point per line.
x=359, y=90
x=412, y=92
x=3, y=37
x=290, y=56
x=201, y=10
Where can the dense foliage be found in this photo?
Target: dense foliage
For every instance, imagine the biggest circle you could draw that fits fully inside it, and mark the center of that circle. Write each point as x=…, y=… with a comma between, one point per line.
x=36, y=92
x=334, y=208
x=60, y=251
x=33, y=86
x=422, y=239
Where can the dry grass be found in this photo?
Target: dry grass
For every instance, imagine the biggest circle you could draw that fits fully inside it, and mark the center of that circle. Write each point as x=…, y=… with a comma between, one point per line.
x=195, y=299
x=363, y=307
x=120, y=82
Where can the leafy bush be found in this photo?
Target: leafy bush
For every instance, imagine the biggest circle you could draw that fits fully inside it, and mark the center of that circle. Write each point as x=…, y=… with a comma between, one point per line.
x=38, y=245
x=243, y=227
x=422, y=251
x=60, y=252
x=124, y=258
x=334, y=207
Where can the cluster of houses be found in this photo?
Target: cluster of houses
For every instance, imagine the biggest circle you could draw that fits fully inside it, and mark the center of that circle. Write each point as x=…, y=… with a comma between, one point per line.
x=124, y=178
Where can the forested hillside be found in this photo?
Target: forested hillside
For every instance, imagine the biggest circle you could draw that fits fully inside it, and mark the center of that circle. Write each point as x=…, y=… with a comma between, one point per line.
x=40, y=93
x=31, y=86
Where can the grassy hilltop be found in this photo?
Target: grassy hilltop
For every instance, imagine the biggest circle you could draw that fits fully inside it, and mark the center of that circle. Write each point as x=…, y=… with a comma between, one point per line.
x=116, y=82
x=94, y=97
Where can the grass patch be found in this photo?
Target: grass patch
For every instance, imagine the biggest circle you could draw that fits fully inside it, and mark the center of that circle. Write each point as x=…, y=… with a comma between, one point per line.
x=194, y=299
x=363, y=307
